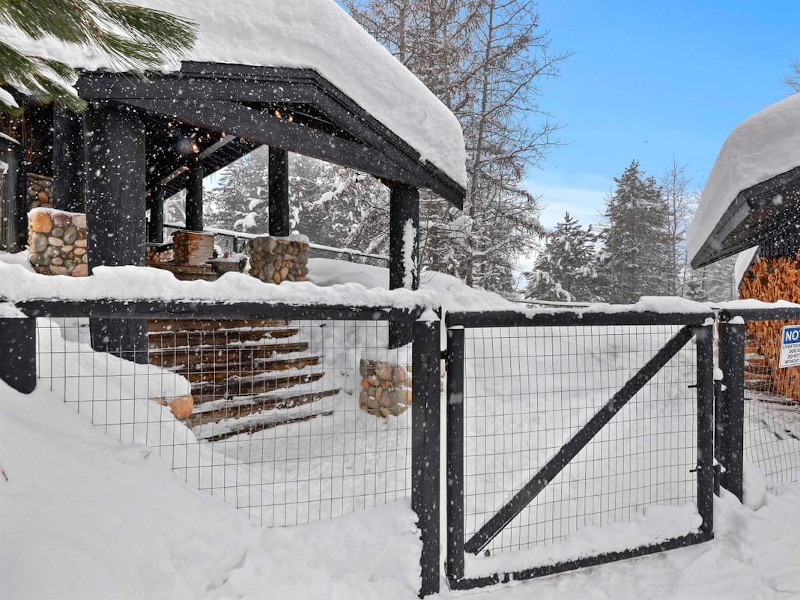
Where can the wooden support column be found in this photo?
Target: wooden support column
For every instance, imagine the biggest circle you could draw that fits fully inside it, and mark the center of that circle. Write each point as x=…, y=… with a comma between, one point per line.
x=403, y=250
x=155, y=228
x=68, y=160
x=194, y=199
x=115, y=214
x=278, y=192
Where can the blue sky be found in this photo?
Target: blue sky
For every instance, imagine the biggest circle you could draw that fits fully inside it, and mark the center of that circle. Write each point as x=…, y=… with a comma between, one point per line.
x=650, y=79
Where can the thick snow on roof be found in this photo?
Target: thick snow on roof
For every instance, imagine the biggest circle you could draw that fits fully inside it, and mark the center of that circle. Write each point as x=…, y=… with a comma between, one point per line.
x=763, y=146
x=305, y=34
x=743, y=261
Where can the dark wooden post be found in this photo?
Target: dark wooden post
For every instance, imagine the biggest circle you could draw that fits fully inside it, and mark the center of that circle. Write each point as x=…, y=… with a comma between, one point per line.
x=155, y=229
x=115, y=214
x=18, y=353
x=403, y=250
x=68, y=160
x=278, y=192
x=194, y=199
x=730, y=405
x=21, y=198
x=425, y=447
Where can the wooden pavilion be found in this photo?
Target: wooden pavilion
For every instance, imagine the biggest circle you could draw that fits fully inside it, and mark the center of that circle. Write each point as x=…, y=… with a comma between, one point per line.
x=301, y=78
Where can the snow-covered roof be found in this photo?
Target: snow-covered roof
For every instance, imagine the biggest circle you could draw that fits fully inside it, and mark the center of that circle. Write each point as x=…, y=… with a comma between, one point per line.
x=760, y=148
x=306, y=34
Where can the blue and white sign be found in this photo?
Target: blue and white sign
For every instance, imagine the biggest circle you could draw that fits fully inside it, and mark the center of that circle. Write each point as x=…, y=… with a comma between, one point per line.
x=790, y=346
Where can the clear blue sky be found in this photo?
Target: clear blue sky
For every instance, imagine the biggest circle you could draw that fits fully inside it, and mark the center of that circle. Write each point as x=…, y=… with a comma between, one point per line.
x=649, y=79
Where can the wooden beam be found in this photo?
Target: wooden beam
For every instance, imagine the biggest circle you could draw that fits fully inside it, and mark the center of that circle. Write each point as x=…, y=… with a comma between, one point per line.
x=194, y=198
x=403, y=250
x=155, y=229
x=264, y=128
x=68, y=160
x=268, y=85
x=403, y=228
x=278, y=192
x=115, y=214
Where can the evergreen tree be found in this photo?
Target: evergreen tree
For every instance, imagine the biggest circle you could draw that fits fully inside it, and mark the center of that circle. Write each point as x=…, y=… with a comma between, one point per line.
x=565, y=269
x=636, y=260
x=135, y=37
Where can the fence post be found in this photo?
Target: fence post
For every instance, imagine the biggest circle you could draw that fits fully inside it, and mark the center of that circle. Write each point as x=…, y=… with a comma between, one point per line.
x=455, y=454
x=704, y=337
x=730, y=405
x=18, y=353
x=425, y=439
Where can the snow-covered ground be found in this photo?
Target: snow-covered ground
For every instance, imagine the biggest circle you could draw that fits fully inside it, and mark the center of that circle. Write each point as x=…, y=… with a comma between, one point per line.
x=100, y=514
x=87, y=518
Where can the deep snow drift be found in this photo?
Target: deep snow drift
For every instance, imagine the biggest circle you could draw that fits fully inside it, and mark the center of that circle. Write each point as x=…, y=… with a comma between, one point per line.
x=84, y=517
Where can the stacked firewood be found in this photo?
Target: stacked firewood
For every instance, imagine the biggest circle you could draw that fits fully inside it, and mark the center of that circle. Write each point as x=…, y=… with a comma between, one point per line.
x=771, y=279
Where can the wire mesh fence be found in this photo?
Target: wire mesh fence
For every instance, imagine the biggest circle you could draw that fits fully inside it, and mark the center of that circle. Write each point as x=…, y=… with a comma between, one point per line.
x=771, y=405
x=292, y=421
x=528, y=391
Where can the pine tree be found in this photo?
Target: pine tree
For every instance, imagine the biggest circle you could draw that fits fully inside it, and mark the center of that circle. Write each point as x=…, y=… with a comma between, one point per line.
x=565, y=269
x=636, y=239
x=134, y=37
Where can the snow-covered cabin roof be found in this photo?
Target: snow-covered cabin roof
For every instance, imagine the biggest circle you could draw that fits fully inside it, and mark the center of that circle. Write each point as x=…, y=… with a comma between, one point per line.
x=304, y=34
x=745, y=197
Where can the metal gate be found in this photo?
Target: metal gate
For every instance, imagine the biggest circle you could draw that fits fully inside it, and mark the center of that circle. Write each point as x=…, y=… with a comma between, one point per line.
x=575, y=440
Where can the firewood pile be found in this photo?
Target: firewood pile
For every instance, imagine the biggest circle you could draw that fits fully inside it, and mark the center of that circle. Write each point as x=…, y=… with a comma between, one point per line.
x=770, y=279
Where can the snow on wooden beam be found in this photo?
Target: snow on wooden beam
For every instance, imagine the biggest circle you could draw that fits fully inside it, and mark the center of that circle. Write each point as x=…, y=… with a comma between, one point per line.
x=403, y=249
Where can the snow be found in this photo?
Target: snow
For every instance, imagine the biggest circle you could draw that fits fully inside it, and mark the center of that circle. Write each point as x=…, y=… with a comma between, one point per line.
x=743, y=262
x=761, y=147
x=450, y=292
x=7, y=138
x=17, y=283
x=7, y=99
x=84, y=517
x=103, y=519
x=312, y=34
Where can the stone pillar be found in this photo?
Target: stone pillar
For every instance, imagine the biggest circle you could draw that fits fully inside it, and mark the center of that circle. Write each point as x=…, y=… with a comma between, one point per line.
x=275, y=260
x=57, y=242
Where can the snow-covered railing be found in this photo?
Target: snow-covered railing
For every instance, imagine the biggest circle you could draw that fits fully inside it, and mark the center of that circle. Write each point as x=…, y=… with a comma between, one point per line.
x=351, y=253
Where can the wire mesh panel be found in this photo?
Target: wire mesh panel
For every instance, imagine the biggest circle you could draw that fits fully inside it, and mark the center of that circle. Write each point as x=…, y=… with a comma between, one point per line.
x=293, y=421
x=529, y=394
x=771, y=405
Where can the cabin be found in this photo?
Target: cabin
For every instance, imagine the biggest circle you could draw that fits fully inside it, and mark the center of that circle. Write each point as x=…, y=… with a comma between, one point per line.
x=88, y=190
x=751, y=206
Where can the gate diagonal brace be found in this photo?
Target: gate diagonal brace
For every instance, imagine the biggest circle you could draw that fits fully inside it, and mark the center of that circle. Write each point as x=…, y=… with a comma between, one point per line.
x=578, y=442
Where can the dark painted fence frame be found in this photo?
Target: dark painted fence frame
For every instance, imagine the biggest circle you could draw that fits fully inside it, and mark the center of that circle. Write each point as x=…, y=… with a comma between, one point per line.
x=729, y=417
x=18, y=369
x=696, y=326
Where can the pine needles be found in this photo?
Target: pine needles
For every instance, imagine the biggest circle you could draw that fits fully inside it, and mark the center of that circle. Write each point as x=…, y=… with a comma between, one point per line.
x=133, y=37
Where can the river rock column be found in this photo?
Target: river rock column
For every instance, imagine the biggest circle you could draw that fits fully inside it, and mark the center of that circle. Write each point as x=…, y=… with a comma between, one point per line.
x=57, y=242
x=385, y=388
x=278, y=259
